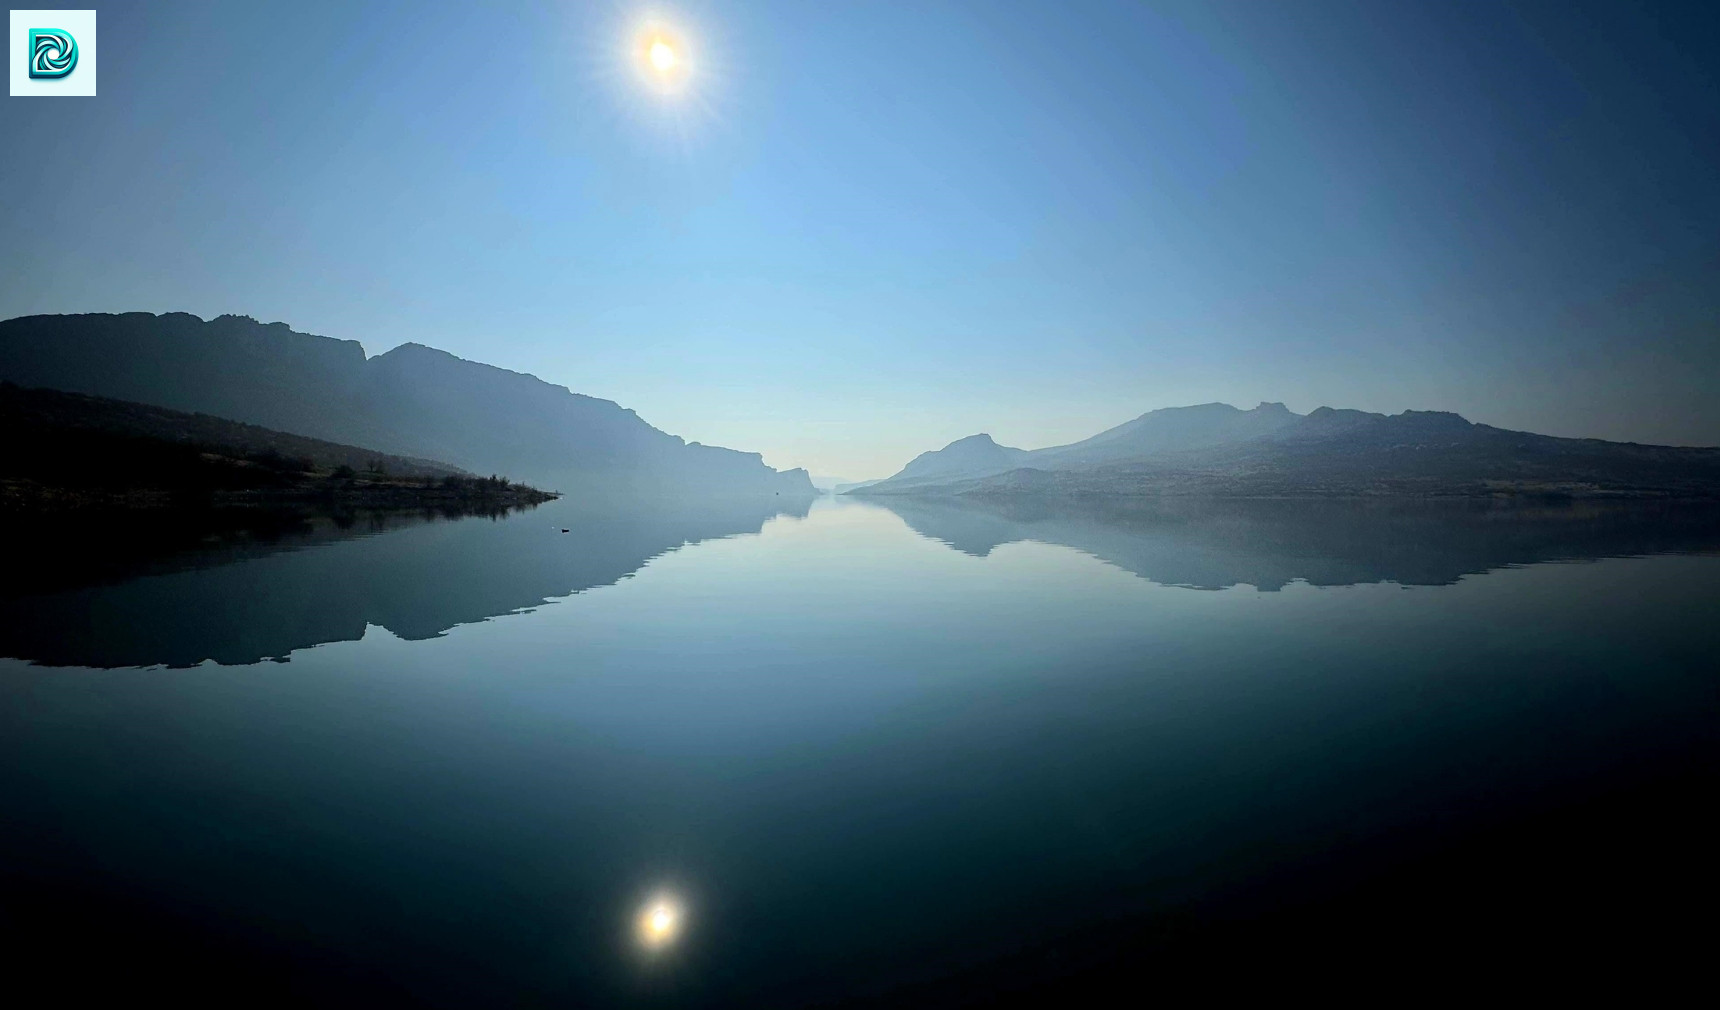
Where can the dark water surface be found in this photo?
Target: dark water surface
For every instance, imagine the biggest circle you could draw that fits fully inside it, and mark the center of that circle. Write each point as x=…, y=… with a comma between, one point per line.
x=921, y=753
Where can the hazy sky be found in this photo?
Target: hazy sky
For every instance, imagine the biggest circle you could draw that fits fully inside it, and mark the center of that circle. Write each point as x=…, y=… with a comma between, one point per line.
x=866, y=229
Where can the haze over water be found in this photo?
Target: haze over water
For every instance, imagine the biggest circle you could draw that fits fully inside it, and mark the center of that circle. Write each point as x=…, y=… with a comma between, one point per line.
x=862, y=749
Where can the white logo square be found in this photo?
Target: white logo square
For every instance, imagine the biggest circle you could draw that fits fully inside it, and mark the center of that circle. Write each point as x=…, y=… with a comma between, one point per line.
x=52, y=53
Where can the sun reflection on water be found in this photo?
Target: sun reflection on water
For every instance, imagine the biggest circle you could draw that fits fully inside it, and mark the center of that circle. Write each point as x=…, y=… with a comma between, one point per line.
x=659, y=922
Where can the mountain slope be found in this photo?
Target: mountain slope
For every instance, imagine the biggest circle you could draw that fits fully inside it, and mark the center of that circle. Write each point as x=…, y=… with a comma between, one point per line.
x=975, y=455
x=845, y=488
x=1173, y=429
x=27, y=414
x=71, y=450
x=413, y=400
x=1215, y=449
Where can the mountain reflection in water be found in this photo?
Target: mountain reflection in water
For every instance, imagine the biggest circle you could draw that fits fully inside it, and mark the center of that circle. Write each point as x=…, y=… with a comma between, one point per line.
x=1269, y=543
x=818, y=758
x=175, y=591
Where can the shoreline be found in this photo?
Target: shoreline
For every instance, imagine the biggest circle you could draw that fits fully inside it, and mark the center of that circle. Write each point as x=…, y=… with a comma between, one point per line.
x=30, y=497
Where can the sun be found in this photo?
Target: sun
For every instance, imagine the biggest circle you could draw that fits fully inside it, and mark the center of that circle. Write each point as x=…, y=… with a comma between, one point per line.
x=662, y=56
x=666, y=69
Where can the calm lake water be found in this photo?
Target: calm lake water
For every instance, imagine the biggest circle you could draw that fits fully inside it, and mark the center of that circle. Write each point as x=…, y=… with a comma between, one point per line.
x=903, y=752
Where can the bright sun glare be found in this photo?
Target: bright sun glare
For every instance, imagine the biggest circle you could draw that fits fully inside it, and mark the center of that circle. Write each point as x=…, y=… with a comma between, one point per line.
x=662, y=56
x=659, y=923
x=666, y=72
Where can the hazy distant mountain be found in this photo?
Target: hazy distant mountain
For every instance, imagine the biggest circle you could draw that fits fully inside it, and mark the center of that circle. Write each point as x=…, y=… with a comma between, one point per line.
x=1216, y=449
x=973, y=456
x=1176, y=429
x=845, y=488
x=411, y=401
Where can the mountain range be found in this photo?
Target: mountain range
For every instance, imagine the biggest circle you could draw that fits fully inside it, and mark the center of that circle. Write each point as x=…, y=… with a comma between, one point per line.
x=1215, y=449
x=413, y=401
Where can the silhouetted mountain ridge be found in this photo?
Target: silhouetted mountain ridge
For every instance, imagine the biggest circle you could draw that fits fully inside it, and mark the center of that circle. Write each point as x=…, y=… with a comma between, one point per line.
x=411, y=401
x=1215, y=449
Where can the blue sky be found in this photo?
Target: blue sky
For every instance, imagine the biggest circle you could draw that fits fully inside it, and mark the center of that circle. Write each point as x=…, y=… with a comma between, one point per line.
x=863, y=230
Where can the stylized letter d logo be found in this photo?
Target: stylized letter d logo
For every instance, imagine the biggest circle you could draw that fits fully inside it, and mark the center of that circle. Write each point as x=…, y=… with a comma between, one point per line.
x=53, y=52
